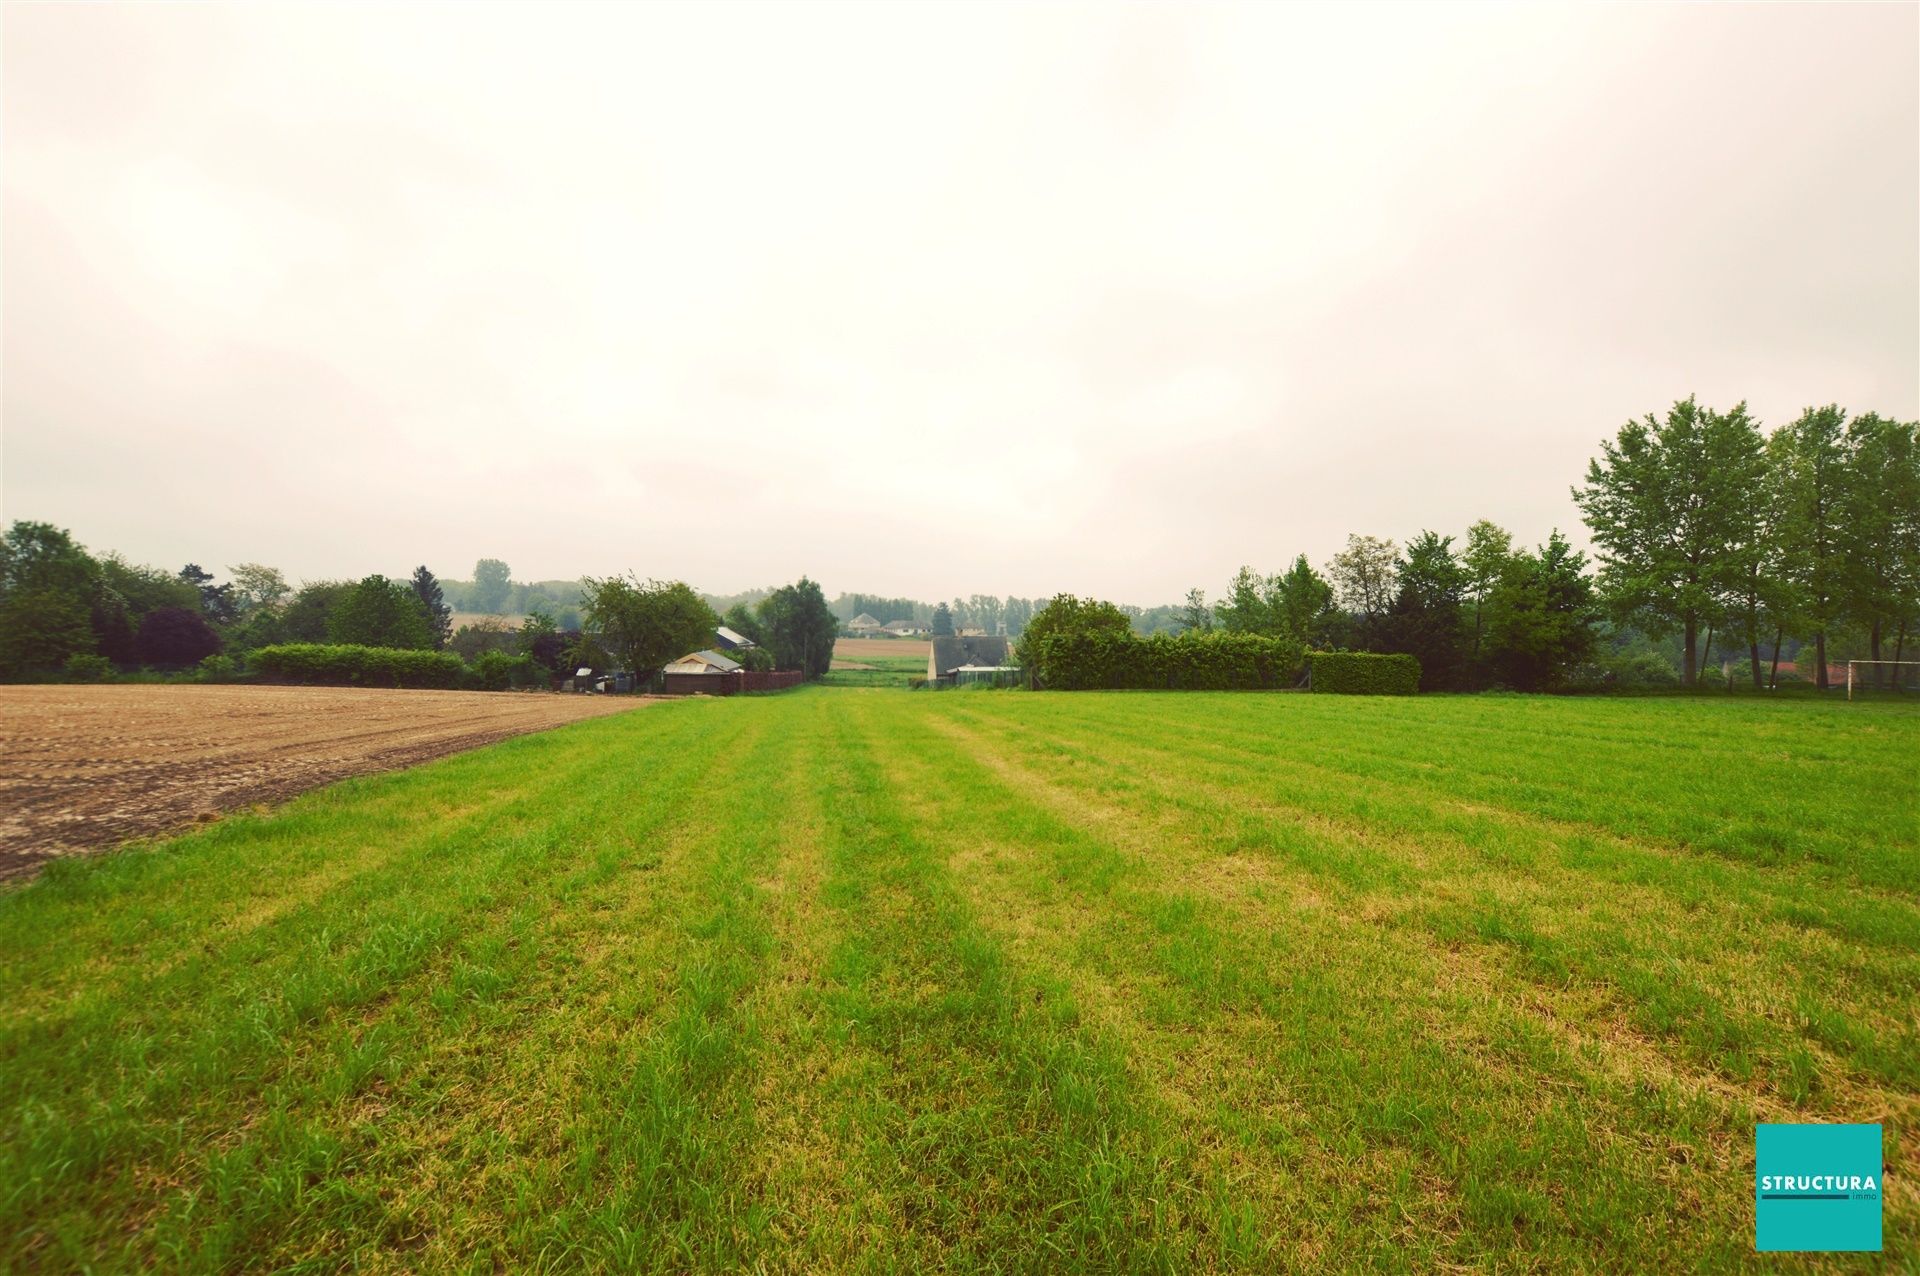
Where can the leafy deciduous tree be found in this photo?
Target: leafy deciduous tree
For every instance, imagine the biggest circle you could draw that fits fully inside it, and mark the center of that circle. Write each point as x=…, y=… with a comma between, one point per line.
x=377, y=612
x=1667, y=503
x=176, y=638
x=800, y=627
x=1363, y=576
x=492, y=586
x=646, y=624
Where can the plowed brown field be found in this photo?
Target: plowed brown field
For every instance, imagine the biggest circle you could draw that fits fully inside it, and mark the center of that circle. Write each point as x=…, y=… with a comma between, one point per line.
x=84, y=768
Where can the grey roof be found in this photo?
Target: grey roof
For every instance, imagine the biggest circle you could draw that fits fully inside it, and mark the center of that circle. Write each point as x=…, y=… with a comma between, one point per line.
x=951, y=653
x=863, y=621
x=737, y=641
x=714, y=658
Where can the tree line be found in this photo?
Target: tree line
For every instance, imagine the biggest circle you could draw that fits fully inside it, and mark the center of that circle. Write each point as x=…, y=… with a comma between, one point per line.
x=1484, y=614
x=1705, y=527
x=67, y=612
x=1705, y=522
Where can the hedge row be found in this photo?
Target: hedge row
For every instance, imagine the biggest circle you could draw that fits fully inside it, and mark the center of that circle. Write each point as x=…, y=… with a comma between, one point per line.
x=352, y=666
x=1365, y=673
x=1176, y=662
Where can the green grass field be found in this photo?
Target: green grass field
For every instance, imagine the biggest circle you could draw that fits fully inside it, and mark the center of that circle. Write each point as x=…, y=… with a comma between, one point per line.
x=883, y=670
x=871, y=980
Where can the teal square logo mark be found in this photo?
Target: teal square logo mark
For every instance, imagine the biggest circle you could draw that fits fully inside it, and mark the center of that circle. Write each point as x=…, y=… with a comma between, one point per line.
x=1816, y=1187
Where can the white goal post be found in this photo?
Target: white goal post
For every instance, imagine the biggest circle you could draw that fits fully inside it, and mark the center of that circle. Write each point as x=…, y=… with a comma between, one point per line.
x=1897, y=664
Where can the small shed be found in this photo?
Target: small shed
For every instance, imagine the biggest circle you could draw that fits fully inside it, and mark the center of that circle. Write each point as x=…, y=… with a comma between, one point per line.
x=703, y=662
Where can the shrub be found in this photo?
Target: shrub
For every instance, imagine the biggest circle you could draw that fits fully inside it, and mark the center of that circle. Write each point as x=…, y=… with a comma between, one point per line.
x=175, y=638
x=497, y=671
x=351, y=666
x=219, y=669
x=1365, y=673
x=1083, y=660
x=88, y=668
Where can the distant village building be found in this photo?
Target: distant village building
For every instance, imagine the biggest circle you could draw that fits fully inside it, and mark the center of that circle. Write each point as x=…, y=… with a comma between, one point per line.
x=904, y=629
x=864, y=625
x=733, y=641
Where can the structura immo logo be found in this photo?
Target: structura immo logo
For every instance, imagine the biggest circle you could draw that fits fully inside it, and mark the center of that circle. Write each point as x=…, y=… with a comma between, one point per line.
x=1816, y=1187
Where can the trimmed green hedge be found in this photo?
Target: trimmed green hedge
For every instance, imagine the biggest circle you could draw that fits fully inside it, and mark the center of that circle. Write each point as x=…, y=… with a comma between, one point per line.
x=497, y=671
x=1365, y=673
x=1087, y=661
x=350, y=666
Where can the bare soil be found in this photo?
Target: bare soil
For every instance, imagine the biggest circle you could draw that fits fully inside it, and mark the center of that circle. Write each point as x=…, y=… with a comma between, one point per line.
x=85, y=768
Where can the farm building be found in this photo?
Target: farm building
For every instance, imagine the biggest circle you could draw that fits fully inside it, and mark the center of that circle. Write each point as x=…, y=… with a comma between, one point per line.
x=703, y=662
x=904, y=629
x=864, y=625
x=975, y=656
x=733, y=641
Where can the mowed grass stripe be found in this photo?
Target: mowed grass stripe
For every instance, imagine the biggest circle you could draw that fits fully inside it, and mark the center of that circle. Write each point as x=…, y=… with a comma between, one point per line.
x=990, y=1125
x=1742, y=990
x=1849, y=809
x=1370, y=1103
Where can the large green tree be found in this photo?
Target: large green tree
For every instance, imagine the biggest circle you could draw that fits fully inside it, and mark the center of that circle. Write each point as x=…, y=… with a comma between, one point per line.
x=377, y=612
x=48, y=586
x=1810, y=465
x=1425, y=619
x=1484, y=559
x=800, y=627
x=1541, y=618
x=1303, y=602
x=1068, y=614
x=1246, y=607
x=1880, y=522
x=741, y=619
x=492, y=586
x=306, y=615
x=1364, y=580
x=257, y=587
x=646, y=624
x=1667, y=504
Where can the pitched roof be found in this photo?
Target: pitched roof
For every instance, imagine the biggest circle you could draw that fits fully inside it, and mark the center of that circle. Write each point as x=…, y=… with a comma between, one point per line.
x=732, y=639
x=712, y=659
x=863, y=621
x=950, y=653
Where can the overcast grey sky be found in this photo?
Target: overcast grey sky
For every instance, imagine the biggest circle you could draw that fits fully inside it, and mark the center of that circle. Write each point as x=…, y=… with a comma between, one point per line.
x=919, y=299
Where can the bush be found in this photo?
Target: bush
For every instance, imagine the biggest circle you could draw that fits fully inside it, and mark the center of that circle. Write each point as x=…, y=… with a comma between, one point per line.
x=1085, y=660
x=85, y=668
x=219, y=669
x=351, y=666
x=497, y=671
x=1365, y=673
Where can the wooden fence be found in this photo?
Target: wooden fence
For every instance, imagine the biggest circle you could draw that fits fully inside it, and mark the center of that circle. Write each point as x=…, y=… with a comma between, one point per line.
x=728, y=684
